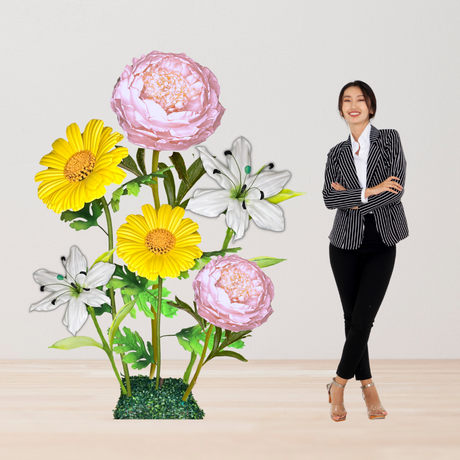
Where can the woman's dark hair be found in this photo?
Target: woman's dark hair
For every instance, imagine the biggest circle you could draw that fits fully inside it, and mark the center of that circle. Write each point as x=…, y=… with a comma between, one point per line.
x=369, y=97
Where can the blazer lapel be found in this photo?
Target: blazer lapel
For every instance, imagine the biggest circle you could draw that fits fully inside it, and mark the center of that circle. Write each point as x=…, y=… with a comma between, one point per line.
x=374, y=154
x=347, y=166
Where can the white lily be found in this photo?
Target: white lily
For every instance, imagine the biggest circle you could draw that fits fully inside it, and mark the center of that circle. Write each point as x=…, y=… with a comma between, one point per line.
x=243, y=195
x=78, y=288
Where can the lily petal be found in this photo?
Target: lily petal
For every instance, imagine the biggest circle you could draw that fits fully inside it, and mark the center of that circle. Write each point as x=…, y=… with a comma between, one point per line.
x=210, y=164
x=99, y=275
x=62, y=296
x=76, y=263
x=75, y=315
x=240, y=158
x=49, y=280
x=94, y=298
x=209, y=203
x=270, y=182
x=237, y=218
x=266, y=215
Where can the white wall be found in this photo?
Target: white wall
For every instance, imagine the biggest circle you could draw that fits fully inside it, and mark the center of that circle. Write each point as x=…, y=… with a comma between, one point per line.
x=280, y=65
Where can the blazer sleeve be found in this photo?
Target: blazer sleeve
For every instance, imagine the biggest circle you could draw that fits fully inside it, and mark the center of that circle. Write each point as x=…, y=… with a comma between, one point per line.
x=398, y=169
x=342, y=199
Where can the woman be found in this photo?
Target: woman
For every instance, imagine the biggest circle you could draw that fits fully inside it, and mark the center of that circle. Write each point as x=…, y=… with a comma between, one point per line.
x=364, y=180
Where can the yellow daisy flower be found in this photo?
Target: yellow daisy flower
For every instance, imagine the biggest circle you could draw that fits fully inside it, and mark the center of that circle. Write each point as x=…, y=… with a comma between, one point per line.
x=159, y=242
x=80, y=168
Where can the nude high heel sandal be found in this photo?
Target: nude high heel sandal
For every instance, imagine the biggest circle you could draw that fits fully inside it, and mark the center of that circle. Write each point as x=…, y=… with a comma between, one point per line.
x=374, y=411
x=336, y=409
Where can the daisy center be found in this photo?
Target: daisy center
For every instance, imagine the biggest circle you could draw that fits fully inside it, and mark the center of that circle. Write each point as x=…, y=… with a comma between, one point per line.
x=160, y=241
x=236, y=284
x=167, y=88
x=79, y=166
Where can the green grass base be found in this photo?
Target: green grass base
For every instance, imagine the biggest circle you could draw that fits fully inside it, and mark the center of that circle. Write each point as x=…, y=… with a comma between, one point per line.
x=165, y=403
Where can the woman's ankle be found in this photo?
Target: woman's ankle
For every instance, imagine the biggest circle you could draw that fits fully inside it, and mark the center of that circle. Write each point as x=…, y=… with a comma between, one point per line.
x=340, y=380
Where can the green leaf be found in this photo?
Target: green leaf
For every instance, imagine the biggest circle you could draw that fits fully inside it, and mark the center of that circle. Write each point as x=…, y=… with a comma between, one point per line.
x=105, y=257
x=169, y=185
x=232, y=354
x=119, y=317
x=216, y=339
x=140, y=157
x=194, y=173
x=128, y=164
x=285, y=194
x=201, y=262
x=237, y=344
x=179, y=304
x=266, y=261
x=151, y=296
x=178, y=162
x=104, y=308
x=184, y=275
x=141, y=303
x=206, y=257
x=133, y=345
x=184, y=203
x=133, y=188
x=190, y=338
x=90, y=220
x=76, y=342
x=128, y=282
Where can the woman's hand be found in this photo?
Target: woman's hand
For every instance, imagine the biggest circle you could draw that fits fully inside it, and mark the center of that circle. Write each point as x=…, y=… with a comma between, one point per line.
x=388, y=185
x=337, y=186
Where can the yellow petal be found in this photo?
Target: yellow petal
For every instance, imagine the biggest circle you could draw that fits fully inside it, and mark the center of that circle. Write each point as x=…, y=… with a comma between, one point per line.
x=175, y=218
x=53, y=160
x=92, y=135
x=74, y=137
x=188, y=240
x=163, y=215
x=150, y=216
x=186, y=226
x=63, y=148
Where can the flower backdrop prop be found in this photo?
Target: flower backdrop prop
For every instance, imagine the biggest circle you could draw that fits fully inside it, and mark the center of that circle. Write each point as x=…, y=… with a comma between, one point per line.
x=163, y=101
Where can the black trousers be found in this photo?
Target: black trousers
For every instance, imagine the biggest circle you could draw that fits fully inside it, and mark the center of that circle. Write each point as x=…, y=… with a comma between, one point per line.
x=362, y=276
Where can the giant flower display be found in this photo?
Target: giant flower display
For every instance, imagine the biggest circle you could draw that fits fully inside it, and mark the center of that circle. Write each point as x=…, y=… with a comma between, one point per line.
x=81, y=167
x=233, y=293
x=167, y=101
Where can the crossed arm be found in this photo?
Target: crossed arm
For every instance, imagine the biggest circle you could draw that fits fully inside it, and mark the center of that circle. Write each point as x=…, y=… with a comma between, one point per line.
x=388, y=191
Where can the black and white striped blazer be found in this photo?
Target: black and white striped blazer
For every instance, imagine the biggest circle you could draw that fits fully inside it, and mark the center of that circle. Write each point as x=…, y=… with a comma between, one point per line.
x=386, y=158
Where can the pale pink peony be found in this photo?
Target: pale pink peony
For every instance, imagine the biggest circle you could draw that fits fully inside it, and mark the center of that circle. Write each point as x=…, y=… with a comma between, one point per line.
x=233, y=293
x=167, y=101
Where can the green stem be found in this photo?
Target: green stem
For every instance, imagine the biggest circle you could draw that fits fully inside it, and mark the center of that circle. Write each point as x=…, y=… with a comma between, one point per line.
x=156, y=197
x=158, y=317
x=155, y=323
x=107, y=349
x=189, y=367
x=228, y=237
x=111, y=291
x=200, y=364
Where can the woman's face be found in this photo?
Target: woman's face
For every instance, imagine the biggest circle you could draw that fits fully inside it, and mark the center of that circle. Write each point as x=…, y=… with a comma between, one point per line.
x=354, y=107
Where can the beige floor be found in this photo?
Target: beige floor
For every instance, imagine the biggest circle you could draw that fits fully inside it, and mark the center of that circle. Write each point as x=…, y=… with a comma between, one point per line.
x=256, y=410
